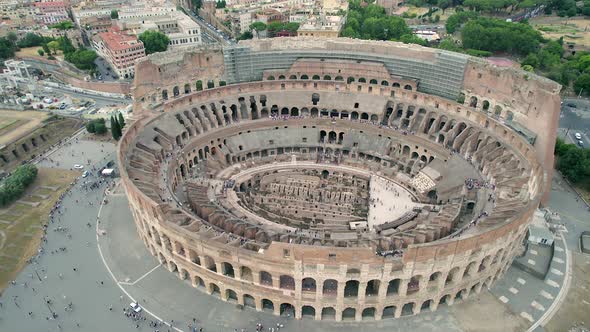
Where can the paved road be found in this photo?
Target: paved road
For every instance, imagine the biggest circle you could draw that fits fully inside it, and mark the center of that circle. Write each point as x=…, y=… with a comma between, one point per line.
x=575, y=120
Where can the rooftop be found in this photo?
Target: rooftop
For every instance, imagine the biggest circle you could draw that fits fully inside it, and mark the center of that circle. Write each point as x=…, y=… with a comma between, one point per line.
x=117, y=41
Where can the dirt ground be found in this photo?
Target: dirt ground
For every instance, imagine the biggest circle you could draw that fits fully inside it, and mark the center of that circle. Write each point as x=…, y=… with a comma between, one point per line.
x=486, y=313
x=574, y=30
x=21, y=224
x=26, y=122
x=575, y=308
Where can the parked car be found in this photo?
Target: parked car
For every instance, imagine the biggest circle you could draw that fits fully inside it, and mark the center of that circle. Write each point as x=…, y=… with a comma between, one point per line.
x=578, y=136
x=580, y=143
x=78, y=166
x=135, y=307
x=85, y=174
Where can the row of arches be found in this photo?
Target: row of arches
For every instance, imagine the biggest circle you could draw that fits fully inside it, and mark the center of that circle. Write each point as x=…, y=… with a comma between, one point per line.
x=349, y=79
x=326, y=312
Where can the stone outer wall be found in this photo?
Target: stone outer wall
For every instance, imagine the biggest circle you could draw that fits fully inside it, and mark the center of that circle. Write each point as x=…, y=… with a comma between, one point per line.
x=368, y=286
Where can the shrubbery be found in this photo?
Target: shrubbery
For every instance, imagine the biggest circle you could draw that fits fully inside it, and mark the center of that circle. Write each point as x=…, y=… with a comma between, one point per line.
x=14, y=185
x=96, y=126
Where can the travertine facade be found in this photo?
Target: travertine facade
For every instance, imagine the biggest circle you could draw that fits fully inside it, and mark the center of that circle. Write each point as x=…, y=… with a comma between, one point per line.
x=208, y=130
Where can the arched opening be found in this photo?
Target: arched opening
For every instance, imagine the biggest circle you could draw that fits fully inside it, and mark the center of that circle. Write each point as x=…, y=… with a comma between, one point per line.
x=287, y=310
x=408, y=309
x=294, y=111
x=374, y=118
x=354, y=115
x=325, y=174
x=265, y=278
x=286, y=282
x=249, y=301
x=460, y=294
x=214, y=290
x=339, y=78
x=362, y=80
x=473, y=102
x=364, y=116
x=372, y=288
x=368, y=314
x=270, y=78
x=210, y=264
x=388, y=312
x=245, y=273
x=268, y=305
x=332, y=137
x=486, y=105
x=284, y=111
x=165, y=94
x=509, y=116
x=199, y=85
x=349, y=314
x=373, y=81
x=231, y=296
x=426, y=306
x=444, y=300
x=330, y=287
x=227, y=270
x=187, y=88
x=414, y=284
x=315, y=98
x=304, y=77
x=281, y=77
x=308, y=311
x=199, y=282
x=314, y=112
x=308, y=285
x=176, y=91
x=315, y=77
x=384, y=83
x=350, y=79
x=328, y=313
x=327, y=78
x=408, y=87
x=393, y=287
x=293, y=77
x=351, y=289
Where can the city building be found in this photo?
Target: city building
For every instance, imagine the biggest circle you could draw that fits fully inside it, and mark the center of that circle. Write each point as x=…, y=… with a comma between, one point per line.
x=51, y=12
x=120, y=50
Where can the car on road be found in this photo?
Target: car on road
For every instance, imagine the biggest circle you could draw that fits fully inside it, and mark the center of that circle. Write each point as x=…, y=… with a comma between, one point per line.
x=578, y=136
x=62, y=107
x=85, y=174
x=78, y=166
x=135, y=307
x=572, y=105
x=580, y=143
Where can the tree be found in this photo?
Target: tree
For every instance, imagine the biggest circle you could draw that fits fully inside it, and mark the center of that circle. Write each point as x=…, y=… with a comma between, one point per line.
x=258, y=26
x=15, y=184
x=413, y=39
x=40, y=52
x=115, y=129
x=53, y=46
x=582, y=84
x=46, y=49
x=65, y=44
x=121, y=120
x=30, y=40
x=100, y=128
x=245, y=35
x=63, y=25
x=575, y=164
x=82, y=59
x=493, y=35
x=154, y=41
x=528, y=68
x=454, y=21
x=443, y=4
x=197, y=4
x=114, y=14
x=7, y=48
x=220, y=4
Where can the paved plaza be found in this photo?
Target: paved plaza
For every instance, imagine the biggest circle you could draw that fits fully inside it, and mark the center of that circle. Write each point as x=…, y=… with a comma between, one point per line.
x=105, y=265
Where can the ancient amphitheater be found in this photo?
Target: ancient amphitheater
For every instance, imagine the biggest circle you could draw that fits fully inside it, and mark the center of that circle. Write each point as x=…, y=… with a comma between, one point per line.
x=336, y=179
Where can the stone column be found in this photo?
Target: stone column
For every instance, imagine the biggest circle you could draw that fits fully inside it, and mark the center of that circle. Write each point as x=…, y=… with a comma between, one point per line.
x=362, y=291
x=403, y=287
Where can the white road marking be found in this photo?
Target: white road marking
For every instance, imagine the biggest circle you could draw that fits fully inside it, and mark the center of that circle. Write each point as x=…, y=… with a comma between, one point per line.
x=558, y=260
x=556, y=271
x=552, y=283
x=521, y=281
x=560, y=249
x=527, y=316
x=504, y=299
x=537, y=306
x=513, y=290
x=534, y=252
x=531, y=262
x=546, y=295
x=143, y=276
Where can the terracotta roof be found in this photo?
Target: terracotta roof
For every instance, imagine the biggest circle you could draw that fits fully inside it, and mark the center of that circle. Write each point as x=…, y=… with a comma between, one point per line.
x=118, y=41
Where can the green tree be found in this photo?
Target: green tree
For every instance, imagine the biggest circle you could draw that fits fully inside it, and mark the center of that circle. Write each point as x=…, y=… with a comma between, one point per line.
x=30, y=40
x=197, y=4
x=413, y=39
x=528, y=68
x=82, y=59
x=100, y=128
x=456, y=20
x=115, y=129
x=53, y=46
x=40, y=52
x=63, y=25
x=220, y=4
x=443, y=4
x=7, y=48
x=575, y=164
x=245, y=35
x=154, y=41
x=582, y=85
x=15, y=184
x=258, y=26
x=114, y=14
x=493, y=35
x=121, y=120
x=46, y=49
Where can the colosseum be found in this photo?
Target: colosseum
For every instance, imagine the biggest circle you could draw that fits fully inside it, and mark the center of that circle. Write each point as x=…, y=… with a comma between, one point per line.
x=336, y=179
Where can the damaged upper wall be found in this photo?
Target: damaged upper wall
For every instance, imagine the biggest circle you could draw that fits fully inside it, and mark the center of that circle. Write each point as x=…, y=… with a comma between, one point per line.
x=530, y=100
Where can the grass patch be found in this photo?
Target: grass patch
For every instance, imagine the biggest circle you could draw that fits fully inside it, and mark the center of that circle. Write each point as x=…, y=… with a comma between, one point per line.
x=23, y=235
